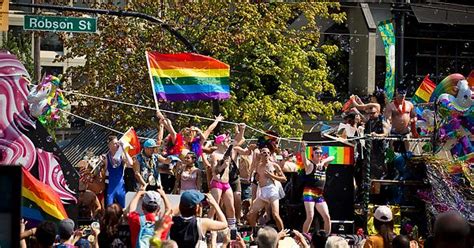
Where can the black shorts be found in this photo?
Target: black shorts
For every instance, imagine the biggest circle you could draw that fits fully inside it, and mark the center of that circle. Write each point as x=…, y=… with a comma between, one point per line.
x=235, y=185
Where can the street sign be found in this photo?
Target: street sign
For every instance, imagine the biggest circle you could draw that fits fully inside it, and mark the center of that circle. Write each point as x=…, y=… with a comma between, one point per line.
x=60, y=24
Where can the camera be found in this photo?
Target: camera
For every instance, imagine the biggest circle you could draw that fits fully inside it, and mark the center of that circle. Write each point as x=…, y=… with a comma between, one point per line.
x=233, y=234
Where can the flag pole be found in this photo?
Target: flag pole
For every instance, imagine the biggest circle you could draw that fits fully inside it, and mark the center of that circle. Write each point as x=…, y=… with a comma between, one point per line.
x=151, y=81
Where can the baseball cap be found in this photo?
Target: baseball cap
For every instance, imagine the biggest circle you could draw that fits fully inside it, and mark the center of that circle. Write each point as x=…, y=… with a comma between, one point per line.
x=65, y=228
x=190, y=198
x=383, y=213
x=219, y=139
x=150, y=143
x=151, y=198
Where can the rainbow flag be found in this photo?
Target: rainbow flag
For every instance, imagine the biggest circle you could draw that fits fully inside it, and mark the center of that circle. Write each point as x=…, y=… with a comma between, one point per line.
x=188, y=77
x=131, y=142
x=342, y=154
x=470, y=79
x=39, y=201
x=424, y=91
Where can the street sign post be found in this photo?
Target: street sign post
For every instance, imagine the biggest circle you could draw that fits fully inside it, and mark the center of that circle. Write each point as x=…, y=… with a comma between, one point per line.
x=60, y=24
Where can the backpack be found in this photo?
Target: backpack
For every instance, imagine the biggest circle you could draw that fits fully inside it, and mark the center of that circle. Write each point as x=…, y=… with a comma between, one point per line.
x=147, y=230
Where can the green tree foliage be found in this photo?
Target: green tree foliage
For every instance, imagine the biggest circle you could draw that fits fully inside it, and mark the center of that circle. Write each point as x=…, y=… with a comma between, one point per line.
x=19, y=44
x=277, y=72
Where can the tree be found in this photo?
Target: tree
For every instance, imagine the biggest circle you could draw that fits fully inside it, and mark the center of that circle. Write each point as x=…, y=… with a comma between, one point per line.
x=19, y=44
x=277, y=72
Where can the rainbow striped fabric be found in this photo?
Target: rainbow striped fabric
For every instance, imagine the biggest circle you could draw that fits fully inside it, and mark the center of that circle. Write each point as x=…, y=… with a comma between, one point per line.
x=39, y=201
x=424, y=91
x=188, y=77
x=341, y=154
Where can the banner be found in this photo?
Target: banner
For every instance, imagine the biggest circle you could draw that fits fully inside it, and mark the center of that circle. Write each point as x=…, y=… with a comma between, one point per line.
x=388, y=37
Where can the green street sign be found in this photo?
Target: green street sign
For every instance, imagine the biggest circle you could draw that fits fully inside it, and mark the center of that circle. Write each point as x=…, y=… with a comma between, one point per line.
x=60, y=24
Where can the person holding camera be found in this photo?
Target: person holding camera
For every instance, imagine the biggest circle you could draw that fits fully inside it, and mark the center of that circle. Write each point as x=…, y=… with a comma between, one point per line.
x=189, y=228
x=142, y=225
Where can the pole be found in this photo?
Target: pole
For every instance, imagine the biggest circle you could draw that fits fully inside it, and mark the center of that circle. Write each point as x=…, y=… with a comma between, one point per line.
x=37, y=51
x=400, y=42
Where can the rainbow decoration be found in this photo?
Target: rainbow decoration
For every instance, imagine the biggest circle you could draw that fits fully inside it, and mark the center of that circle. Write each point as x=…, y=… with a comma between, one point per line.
x=131, y=142
x=424, y=91
x=447, y=86
x=39, y=201
x=299, y=164
x=188, y=77
x=342, y=155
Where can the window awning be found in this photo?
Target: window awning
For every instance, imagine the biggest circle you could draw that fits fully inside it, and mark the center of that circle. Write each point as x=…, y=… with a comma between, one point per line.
x=444, y=14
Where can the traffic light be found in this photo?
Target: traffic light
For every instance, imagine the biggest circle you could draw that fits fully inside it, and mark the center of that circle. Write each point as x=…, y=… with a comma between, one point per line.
x=4, y=15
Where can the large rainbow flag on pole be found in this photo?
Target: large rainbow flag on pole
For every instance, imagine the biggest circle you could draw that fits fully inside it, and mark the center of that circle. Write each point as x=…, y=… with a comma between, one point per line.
x=39, y=201
x=188, y=77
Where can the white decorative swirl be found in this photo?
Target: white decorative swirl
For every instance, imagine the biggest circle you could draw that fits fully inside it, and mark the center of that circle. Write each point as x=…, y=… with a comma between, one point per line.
x=15, y=146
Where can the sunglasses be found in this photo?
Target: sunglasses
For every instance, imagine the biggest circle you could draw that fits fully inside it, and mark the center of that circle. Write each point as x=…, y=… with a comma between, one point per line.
x=267, y=153
x=318, y=152
x=371, y=113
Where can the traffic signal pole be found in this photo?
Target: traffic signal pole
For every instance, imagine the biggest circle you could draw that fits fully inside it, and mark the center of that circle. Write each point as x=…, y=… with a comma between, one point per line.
x=122, y=13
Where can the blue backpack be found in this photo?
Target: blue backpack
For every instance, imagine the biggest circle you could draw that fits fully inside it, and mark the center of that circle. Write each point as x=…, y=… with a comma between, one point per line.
x=147, y=230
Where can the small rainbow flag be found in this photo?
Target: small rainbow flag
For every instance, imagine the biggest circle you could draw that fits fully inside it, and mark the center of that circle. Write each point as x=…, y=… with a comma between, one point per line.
x=342, y=154
x=424, y=91
x=39, y=201
x=131, y=142
x=188, y=77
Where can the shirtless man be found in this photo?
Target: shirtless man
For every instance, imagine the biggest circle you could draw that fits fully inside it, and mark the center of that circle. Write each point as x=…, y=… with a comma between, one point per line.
x=268, y=172
x=400, y=113
x=221, y=169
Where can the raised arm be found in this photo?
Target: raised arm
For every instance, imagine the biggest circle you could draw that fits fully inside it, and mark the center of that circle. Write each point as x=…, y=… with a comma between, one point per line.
x=212, y=126
x=239, y=137
x=327, y=160
x=161, y=127
x=134, y=203
x=128, y=160
x=169, y=127
x=166, y=201
x=214, y=225
x=303, y=154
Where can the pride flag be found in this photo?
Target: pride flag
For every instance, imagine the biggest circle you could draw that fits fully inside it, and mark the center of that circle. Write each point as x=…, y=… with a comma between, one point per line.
x=188, y=77
x=131, y=142
x=39, y=201
x=424, y=91
x=342, y=154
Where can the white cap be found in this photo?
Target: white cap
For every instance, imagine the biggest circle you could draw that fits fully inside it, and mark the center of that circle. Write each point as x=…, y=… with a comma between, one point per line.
x=383, y=213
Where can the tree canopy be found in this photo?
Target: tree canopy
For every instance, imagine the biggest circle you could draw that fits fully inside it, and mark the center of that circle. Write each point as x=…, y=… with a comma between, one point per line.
x=277, y=72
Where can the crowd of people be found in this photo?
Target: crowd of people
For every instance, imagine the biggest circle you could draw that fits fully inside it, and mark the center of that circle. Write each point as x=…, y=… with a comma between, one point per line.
x=229, y=190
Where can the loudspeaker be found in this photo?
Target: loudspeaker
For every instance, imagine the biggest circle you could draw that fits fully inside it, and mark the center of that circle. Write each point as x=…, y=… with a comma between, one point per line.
x=339, y=191
x=342, y=226
x=10, y=204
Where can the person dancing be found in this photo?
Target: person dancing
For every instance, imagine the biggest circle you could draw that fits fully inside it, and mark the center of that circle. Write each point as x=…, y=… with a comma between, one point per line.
x=314, y=179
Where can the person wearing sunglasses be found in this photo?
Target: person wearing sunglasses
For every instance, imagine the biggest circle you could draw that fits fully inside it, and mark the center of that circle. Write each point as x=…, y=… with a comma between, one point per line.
x=376, y=126
x=314, y=180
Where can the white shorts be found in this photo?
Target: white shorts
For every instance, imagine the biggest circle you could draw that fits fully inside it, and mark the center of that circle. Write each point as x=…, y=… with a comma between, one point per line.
x=269, y=193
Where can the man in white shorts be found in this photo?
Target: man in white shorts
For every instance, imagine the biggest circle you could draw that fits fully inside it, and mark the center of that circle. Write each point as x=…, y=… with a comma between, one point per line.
x=267, y=173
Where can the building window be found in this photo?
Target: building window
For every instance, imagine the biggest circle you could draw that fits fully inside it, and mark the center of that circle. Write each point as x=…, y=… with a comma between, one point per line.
x=51, y=42
x=51, y=70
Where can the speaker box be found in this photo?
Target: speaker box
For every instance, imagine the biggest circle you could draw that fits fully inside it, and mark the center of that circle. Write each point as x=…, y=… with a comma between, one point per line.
x=342, y=226
x=339, y=191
